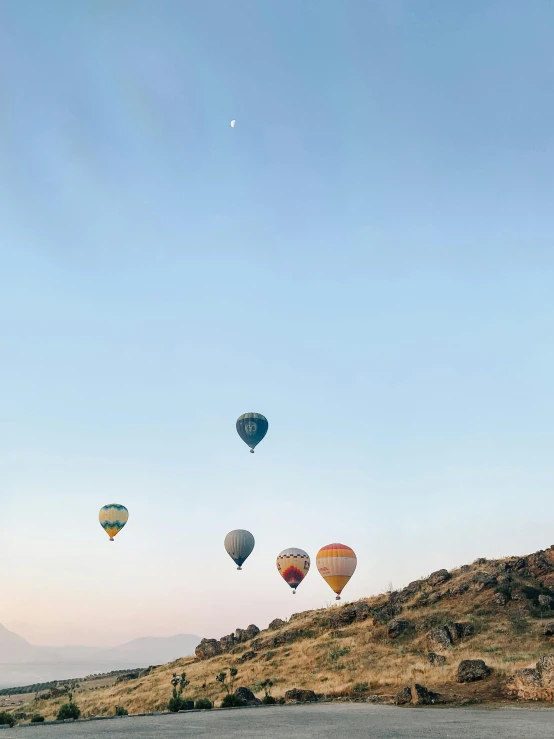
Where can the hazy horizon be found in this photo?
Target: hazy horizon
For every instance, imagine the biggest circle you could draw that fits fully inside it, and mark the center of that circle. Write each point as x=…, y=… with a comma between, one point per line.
x=365, y=258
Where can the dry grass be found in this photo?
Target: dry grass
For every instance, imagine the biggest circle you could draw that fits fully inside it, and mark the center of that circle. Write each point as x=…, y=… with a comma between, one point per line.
x=355, y=660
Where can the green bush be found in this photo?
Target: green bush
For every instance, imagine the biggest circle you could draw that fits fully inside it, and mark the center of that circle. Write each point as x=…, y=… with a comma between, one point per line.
x=6, y=718
x=360, y=688
x=68, y=710
x=203, y=703
x=232, y=701
x=120, y=711
x=37, y=719
x=269, y=700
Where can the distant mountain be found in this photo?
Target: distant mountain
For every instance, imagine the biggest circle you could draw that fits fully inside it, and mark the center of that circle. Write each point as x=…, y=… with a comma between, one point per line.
x=24, y=663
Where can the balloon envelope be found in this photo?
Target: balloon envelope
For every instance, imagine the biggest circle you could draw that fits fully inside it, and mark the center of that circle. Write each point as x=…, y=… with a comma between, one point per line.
x=293, y=565
x=239, y=545
x=336, y=564
x=113, y=518
x=252, y=427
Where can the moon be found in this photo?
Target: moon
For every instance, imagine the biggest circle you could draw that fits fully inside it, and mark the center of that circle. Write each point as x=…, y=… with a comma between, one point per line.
x=233, y=123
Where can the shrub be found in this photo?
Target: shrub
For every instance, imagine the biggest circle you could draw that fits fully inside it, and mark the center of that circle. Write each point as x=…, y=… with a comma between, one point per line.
x=37, y=719
x=68, y=710
x=268, y=700
x=337, y=652
x=120, y=711
x=360, y=688
x=232, y=701
x=6, y=718
x=203, y=703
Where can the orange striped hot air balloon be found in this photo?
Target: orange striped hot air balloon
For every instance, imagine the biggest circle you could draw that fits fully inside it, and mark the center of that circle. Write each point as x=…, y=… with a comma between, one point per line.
x=336, y=564
x=293, y=565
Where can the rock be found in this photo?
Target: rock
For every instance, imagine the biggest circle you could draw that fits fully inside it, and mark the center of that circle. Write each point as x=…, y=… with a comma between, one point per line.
x=208, y=648
x=546, y=601
x=504, y=579
x=302, y=696
x=437, y=660
x=423, y=696
x=397, y=627
x=277, y=623
x=375, y=699
x=545, y=668
x=540, y=562
x=404, y=696
x=362, y=610
x=433, y=598
x=483, y=580
x=530, y=677
x=549, y=629
x=383, y=614
x=342, y=617
x=227, y=642
x=519, y=564
x=470, y=670
x=247, y=696
x=259, y=644
x=439, y=636
x=438, y=577
x=518, y=595
x=251, y=631
x=500, y=599
x=247, y=656
x=461, y=630
x=465, y=568
x=457, y=589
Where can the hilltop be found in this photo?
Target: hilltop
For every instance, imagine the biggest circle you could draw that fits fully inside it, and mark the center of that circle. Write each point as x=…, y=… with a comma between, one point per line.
x=498, y=611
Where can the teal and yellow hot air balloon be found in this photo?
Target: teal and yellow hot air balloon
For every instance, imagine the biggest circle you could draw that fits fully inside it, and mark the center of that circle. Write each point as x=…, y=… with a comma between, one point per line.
x=239, y=545
x=113, y=518
x=252, y=427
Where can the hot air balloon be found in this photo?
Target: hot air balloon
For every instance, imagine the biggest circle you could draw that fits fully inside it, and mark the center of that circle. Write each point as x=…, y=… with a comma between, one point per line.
x=293, y=565
x=113, y=518
x=239, y=544
x=336, y=564
x=252, y=427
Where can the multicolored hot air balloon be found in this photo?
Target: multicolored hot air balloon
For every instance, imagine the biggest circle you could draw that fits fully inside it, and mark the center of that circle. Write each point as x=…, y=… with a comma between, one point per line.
x=239, y=545
x=252, y=427
x=113, y=518
x=293, y=565
x=336, y=564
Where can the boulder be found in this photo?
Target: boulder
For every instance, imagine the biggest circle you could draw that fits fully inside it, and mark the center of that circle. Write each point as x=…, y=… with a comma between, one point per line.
x=423, y=696
x=546, y=601
x=208, y=648
x=545, y=668
x=397, y=627
x=439, y=636
x=404, y=696
x=529, y=677
x=375, y=699
x=300, y=696
x=438, y=577
x=500, y=599
x=362, y=610
x=251, y=631
x=277, y=623
x=549, y=629
x=483, y=580
x=471, y=670
x=227, y=642
x=519, y=564
x=457, y=589
x=247, y=696
x=247, y=656
x=461, y=630
x=437, y=660
x=342, y=617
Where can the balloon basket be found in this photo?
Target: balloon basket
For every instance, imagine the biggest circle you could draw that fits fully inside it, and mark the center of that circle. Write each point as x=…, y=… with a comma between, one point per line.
x=111, y=538
x=251, y=451
x=239, y=568
x=338, y=597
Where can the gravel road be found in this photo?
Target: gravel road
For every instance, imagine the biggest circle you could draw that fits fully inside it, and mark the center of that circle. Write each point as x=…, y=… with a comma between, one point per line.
x=331, y=721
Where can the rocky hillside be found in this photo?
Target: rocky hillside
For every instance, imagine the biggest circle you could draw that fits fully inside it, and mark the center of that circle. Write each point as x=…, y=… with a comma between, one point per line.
x=473, y=634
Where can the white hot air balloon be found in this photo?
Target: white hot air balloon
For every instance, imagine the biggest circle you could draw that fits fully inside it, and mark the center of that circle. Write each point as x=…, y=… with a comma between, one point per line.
x=233, y=123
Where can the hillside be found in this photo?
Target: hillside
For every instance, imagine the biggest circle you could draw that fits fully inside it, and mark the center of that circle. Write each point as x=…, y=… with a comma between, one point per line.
x=496, y=611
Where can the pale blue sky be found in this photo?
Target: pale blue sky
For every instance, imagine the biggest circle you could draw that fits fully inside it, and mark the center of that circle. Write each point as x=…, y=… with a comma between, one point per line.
x=366, y=258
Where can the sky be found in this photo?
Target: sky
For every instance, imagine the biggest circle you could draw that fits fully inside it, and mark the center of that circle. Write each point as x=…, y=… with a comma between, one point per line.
x=365, y=258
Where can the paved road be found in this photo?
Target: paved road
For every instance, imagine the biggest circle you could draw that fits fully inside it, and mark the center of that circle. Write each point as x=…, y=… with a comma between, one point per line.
x=332, y=721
